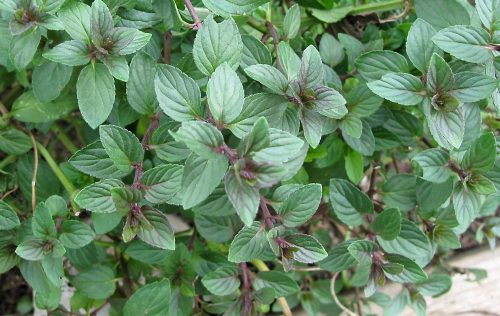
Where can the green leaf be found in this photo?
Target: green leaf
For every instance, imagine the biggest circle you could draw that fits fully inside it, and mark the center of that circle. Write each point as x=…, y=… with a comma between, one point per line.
x=179, y=96
x=489, y=13
x=143, y=252
x=140, y=86
x=217, y=43
x=43, y=225
x=439, y=77
x=306, y=249
x=123, y=197
x=96, y=94
x=249, y=244
x=23, y=47
x=466, y=204
x=291, y=23
x=8, y=259
x=472, y=87
x=339, y=258
x=98, y=282
x=127, y=40
x=330, y=50
x=8, y=217
x=481, y=154
x=70, y=53
x=467, y=43
x=373, y=65
x=365, y=144
x=444, y=236
x=411, y=243
x=362, y=250
x=354, y=165
x=310, y=73
x=75, y=17
x=75, y=234
x=31, y=249
x=93, y=160
x=328, y=102
x=154, y=229
x=412, y=273
x=430, y=195
x=256, y=106
x=481, y=185
x=352, y=126
x=101, y=22
x=399, y=191
x=254, y=52
x=268, y=76
x=243, y=196
x=289, y=60
x=152, y=299
x=442, y=13
x=117, y=66
x=256, y=140
x=223, y=281
x=217, y=204
x=14, y=142
x=435, y=285
x=387, y=224
x=362, y=102
x=97, y=197
x=201, y=137
x=448, y=128
x=27, y=108
x=227, y=8
x=162, y=183
x=399, y=88
x=282, y=147
x=301, y=205
x=333, y=15
x=418, y=46
x=218, y=229
x=197, y=171
x=225, y=94
x=49, y=79
x=279, y=281
x=122, y=147
x=348, y=202
x=434, y=164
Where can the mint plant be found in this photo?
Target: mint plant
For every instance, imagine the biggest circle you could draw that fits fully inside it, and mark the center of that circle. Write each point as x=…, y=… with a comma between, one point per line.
x=249, y=157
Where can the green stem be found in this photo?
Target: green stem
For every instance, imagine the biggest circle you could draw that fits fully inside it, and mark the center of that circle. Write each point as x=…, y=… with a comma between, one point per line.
x=63, y=137
x=377, y=6
x=285, y=308
x=70, y=188
x=6, y=161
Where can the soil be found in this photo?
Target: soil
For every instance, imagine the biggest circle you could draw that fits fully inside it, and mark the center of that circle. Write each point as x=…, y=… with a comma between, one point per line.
x=12, y=288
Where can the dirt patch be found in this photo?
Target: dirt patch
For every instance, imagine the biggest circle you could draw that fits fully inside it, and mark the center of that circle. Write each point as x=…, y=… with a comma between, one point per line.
x=13, y=289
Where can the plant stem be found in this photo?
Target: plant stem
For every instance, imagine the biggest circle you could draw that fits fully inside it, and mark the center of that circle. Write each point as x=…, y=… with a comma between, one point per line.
x=377, y=6
x=276, y=41
x=455, y=168
x=266, y=213
x=336, y=299
x=247, y=300
x=261, y=266
x=167, y=47
x=35, y=171
x=194, y=15
x=7, y=161
x=63, y=137
x=70, y=188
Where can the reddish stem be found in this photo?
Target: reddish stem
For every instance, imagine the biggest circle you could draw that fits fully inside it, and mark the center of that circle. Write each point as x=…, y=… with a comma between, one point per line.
x=265, y=211
x=247, y=300
x=192, y=12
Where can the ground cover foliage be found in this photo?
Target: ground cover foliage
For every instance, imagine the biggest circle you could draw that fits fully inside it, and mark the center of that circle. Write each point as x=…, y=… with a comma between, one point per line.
x=245, y=157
